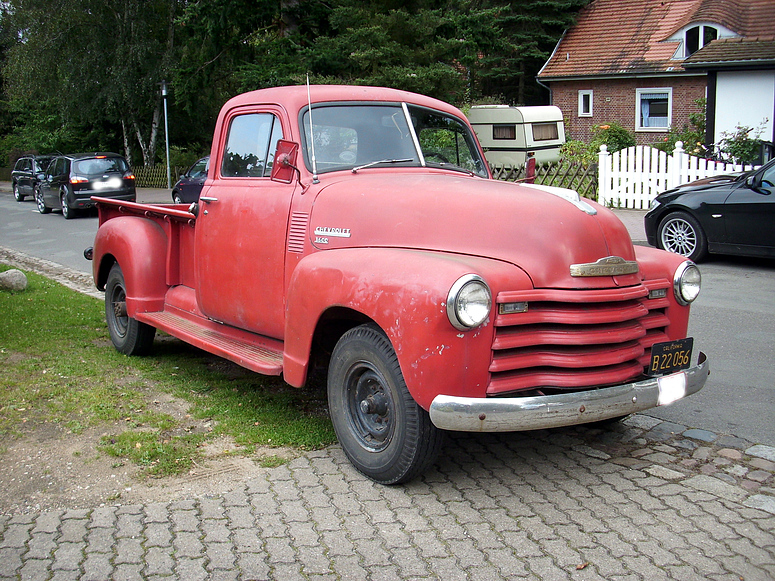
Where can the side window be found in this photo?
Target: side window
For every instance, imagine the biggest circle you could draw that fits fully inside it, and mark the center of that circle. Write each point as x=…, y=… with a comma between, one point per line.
x=768, y=178
x=653, y=109
x=504, y=132
x=545, y=131
x=57, y=168
x=250, y=145
x=199, y=169
x=585, y=103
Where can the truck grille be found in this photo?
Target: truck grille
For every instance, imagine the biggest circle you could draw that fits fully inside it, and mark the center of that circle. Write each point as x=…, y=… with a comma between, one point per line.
x=572, y=340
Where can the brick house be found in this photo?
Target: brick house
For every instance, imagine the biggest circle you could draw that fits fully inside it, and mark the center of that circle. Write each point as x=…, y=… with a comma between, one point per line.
x=633, y=62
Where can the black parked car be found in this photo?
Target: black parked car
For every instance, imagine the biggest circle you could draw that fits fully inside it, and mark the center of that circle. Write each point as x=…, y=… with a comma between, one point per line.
x=24, y=176
x=71, y=180
x=187, y=189
x=729, y=214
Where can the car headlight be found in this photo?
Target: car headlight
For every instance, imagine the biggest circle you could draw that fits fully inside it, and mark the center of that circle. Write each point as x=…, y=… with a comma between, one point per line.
x=468, y=302
x=654, y=203
x=686, y=282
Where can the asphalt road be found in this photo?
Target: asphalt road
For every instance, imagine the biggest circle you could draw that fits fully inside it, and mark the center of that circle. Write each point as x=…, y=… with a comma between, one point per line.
x=733, y=321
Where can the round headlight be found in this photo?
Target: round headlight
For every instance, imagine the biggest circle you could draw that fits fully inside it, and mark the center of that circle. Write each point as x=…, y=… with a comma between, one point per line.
x=468, y=302
x=687, y=282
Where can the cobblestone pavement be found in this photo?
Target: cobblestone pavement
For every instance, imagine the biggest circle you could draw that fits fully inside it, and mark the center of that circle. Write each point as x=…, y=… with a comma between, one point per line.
x=644, y=499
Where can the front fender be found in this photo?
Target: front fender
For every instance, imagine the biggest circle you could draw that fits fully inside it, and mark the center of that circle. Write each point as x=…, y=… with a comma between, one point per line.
x=659, y=264
x=405, y=293
x=139, y=245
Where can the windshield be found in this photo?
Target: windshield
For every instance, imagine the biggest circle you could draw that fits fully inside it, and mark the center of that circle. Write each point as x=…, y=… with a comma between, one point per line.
x=356, y=137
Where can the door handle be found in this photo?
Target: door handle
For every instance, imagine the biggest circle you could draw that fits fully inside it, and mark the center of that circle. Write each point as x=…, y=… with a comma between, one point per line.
x=208, y=199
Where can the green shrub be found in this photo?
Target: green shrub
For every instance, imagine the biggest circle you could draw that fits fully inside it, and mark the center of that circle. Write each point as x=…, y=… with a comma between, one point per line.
x=613, y=135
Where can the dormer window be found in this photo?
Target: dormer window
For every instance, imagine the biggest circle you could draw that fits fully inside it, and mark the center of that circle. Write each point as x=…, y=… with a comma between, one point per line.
x=697, y=37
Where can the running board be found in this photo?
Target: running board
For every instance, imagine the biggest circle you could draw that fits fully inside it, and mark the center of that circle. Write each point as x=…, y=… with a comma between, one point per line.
x=254, y=352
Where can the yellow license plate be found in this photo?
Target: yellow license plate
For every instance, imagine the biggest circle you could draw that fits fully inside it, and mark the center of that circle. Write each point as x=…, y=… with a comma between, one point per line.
x=670, y=356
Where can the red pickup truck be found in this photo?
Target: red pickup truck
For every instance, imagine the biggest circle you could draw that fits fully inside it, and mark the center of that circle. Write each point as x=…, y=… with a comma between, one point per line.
x=359, y=229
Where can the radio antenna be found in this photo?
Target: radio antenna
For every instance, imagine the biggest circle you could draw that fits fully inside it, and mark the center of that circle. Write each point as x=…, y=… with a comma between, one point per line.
x=315, y=179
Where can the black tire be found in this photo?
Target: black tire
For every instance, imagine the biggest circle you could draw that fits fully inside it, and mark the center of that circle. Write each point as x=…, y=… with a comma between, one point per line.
x=681, y=233
x=18, y=196
x=42, y=208
x=176, y=199
x=129, y=336
x=67, y=212
x=382, y=430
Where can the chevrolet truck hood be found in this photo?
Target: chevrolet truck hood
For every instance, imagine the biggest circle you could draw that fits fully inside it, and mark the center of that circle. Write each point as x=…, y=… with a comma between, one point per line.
x=540, y=232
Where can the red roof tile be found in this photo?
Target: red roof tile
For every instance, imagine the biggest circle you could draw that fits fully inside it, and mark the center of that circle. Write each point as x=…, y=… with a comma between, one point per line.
x=630, y=36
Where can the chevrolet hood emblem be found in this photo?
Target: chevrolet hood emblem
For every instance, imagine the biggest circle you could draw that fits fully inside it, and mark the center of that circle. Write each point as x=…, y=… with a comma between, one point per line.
x=609, y=266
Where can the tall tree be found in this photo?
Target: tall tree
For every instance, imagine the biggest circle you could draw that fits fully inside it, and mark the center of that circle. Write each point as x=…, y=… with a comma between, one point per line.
x=530, y=31
x=91, y=62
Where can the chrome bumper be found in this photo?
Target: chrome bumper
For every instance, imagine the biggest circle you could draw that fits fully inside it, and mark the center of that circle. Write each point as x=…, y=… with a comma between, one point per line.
x=514, y=414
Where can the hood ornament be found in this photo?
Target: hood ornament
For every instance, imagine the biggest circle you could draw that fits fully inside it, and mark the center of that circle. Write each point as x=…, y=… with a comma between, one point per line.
x=609, y=266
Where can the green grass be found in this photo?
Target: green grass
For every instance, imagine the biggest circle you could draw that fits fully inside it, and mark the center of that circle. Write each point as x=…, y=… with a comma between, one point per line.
x=60, y=367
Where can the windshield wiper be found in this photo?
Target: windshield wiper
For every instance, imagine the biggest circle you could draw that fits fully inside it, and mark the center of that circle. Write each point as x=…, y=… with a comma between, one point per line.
x=451, y=166
x=378, y=162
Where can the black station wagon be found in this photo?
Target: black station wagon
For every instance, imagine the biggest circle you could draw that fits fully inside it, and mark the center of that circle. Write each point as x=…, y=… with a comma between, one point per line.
x=71, y=180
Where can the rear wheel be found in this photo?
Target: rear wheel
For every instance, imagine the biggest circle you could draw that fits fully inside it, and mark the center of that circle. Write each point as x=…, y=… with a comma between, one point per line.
x=129, y=336
x=382, y=430
x=17, y=194
x=681, y=233
x=42, y=208
x=66, y=211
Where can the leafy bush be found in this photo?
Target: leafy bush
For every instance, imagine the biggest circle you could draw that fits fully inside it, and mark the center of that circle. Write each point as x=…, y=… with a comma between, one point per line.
x=742, y=145
x=692, y=135
x=613, y=135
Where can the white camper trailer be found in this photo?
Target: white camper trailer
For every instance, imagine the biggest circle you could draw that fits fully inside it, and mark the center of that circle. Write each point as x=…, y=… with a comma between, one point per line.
x=508, y=134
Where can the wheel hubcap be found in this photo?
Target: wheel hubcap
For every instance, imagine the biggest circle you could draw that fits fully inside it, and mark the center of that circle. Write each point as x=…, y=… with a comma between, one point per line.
x=118, y=304
x=370, y=408
x=679, y=237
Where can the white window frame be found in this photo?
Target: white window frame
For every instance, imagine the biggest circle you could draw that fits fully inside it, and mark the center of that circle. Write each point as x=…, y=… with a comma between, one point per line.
x=701, y=36
x=582, y=94
x=638, y=108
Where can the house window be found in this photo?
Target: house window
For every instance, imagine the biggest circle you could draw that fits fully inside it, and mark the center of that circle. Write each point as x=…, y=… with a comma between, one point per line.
x=697, y=37
x=585, y=103
x=653, y=109
x=504, y=132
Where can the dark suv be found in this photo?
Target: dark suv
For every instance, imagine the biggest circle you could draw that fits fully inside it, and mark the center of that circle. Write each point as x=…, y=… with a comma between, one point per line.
x=71, y=180
x=187, y=189
x=24, y=176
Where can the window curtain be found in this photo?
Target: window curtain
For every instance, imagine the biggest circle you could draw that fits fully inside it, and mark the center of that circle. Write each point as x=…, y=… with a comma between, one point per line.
x=644, y=112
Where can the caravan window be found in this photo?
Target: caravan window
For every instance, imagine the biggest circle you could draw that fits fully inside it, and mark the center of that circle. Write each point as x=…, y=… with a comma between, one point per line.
x=504, y=132
x=545, y=131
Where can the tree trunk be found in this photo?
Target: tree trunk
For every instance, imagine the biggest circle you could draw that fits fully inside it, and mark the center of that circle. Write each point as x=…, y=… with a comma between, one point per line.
x=149, y=148
x=127, y=149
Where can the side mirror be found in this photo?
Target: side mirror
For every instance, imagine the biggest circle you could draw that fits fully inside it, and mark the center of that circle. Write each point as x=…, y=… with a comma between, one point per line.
x=284, y=167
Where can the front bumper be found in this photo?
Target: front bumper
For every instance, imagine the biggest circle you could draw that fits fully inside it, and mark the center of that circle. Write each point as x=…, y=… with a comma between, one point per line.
x=466, y=414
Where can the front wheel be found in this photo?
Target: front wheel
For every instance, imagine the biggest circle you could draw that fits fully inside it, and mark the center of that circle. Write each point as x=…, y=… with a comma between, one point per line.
x=382, y=430
x=681, y=233
x=17, y=194
x=129, y=336
x=42, y=208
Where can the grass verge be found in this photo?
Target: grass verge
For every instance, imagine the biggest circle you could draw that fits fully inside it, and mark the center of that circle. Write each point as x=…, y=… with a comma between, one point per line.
x=59, y=367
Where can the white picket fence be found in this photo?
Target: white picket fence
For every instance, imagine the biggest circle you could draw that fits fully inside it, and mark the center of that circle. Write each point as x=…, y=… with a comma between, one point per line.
x=632, y=177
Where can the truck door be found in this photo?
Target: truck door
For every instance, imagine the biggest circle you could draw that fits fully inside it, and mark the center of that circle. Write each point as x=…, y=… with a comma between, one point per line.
x=241, y=230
